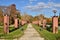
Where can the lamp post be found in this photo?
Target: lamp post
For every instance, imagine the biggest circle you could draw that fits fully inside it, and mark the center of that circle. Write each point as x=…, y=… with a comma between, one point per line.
x=55, y=22
x=54, y=12
x=6, y=13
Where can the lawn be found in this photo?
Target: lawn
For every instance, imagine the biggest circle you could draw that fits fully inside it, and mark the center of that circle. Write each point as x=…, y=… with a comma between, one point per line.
x=44, y=33
x=16, y=33
x=58, y=35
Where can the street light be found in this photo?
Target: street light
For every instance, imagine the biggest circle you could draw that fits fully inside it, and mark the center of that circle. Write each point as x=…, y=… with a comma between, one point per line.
x=54, y=12
x=55, y=22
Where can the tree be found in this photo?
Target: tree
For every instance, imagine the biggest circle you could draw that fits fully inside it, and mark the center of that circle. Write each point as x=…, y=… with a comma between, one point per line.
x=14, y=12
x=1, y=17
x=26, y=17
x=18, y=14
x=35, y=18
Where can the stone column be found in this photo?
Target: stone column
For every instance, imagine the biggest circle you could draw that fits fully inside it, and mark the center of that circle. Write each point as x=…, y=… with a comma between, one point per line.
x=16, y=23
x=39, y=22
x=55, y=24
x=6, y=24
x=44, y=23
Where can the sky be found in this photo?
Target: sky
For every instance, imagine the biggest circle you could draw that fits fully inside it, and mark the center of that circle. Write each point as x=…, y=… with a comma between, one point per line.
x=35, y=7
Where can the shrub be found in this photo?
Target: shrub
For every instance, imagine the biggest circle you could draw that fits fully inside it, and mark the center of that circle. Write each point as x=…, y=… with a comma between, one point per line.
x=49, y=28
x=50, y=23
x=1, y=24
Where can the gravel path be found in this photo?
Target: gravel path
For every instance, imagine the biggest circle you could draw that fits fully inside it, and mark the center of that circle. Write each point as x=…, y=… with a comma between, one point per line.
x=31, y=34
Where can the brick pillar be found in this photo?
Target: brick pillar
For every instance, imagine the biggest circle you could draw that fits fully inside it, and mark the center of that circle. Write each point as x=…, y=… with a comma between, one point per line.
x=39, y=23
x=16, y=23
x=55, y=24
x=44, y=23
x=6, y=24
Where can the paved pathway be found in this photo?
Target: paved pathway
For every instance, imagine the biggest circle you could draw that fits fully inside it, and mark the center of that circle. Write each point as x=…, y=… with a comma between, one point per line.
x=31, y=34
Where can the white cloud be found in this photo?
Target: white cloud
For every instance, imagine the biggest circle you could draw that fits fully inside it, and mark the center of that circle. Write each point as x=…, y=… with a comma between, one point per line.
x=32, y=1
x=41, y=5
x=57, y=5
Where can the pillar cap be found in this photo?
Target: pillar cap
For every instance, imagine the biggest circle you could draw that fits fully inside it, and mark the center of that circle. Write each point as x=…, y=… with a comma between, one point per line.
x=5, y=15
x=55, y=16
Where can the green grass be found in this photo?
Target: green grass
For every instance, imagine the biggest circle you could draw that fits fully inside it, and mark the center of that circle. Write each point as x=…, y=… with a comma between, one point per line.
x=1, y=30
x=44, y=33
x=58, y=35
x=14, y=34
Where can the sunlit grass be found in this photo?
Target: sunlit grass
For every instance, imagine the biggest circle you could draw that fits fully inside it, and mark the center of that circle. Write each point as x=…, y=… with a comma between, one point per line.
x=44, y=33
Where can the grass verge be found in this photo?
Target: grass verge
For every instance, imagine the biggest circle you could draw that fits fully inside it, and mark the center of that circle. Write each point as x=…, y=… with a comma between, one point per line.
x=14, y=34
x=44, y=33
